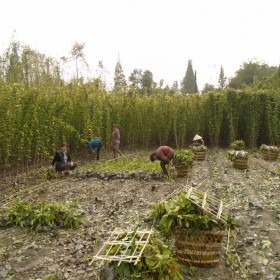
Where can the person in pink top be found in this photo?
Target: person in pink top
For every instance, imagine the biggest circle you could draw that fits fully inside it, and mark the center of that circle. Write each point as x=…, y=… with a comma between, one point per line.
x=165, y=155
x=116, y=139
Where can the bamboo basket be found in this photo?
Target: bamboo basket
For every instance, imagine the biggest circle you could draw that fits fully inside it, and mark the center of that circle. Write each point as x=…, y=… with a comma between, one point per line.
x=183, y=170
x=203, y=249
x=270, y=154
x=240, y=163
x=200, y=155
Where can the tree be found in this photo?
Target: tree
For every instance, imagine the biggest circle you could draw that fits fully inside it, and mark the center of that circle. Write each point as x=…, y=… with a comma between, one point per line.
x=13, y=73
x=119, y=79
x=78, y=54
x=147, y=81
x=135, y=79
x=208, y=88
x=272, y=82
x=101, y=73
x=250, y=74
x=21, y=64
x=196, y=88
x=189, y=82
x=222, y=78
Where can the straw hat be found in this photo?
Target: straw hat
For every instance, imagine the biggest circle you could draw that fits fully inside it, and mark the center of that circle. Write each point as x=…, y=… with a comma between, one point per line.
x=197, y=137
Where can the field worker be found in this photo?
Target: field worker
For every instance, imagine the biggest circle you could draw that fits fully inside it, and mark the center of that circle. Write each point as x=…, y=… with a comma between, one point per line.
x=165, y=155
x=197, y=141
x=94, y=144
x=62, y=160
x=116, y=139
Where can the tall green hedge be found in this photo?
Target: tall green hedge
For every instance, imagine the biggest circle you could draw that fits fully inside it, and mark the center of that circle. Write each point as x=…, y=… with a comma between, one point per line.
x=34, y=121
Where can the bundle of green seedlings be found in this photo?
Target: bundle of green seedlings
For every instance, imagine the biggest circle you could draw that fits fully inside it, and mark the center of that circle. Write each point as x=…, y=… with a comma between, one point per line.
x=198, y=148
x=180, y=213
x=127, y=165
x=155, y=263
x=183, y=157
x=238, y=145
x=50, y=174
x=233, y=155
x=37, y=215
x=264, y=147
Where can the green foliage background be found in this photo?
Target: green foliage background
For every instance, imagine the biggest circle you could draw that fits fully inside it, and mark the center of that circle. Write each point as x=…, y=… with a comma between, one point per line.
x=35, y=120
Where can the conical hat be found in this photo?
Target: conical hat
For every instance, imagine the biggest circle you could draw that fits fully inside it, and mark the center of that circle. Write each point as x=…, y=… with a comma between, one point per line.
x=197, y=137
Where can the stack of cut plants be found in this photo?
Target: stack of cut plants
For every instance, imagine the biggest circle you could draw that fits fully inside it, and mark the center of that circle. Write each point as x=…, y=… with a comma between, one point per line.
x=238, y=156
x=269, y=152
x=41, y=216
x=198, y=234
x=122, y=168
x=138, y=254
x=200, y=152
x=237, y=145
x=183, y=161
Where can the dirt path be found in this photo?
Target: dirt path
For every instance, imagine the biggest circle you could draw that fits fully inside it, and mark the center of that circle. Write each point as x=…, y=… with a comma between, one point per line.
x=252, y=196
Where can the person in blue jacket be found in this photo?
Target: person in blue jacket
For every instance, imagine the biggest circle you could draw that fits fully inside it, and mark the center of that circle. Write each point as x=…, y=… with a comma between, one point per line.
x=94, y=144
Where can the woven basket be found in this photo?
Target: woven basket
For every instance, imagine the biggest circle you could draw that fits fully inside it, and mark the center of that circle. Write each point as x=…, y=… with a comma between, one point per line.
x=200, y=155
x=270, y=155
x=240, y=163
x=199, y=249
x=183, y=170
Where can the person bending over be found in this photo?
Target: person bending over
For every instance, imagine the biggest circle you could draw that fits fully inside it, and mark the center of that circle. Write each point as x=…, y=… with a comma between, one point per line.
x=94, y=144
x=164, y=154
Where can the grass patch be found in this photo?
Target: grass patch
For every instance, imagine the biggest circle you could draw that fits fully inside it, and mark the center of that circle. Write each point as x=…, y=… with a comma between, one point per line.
x=126, y=165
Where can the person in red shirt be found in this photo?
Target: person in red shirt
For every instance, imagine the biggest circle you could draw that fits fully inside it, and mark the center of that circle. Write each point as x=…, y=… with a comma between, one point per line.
x=164, y=154
x=116, y=139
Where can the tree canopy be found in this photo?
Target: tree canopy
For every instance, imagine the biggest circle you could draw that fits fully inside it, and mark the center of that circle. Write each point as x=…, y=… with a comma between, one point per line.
x=250, y=74
x=189, y=84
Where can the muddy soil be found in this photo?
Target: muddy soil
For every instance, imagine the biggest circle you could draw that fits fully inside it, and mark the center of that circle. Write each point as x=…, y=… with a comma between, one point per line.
x=251, y=195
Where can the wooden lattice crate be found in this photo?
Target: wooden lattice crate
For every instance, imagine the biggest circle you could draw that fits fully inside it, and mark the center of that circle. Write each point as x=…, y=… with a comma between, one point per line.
x=270, y=154
x=240, y=163
x=183, y=170
x=124, y=246
x=200, y=155
x=201, y=249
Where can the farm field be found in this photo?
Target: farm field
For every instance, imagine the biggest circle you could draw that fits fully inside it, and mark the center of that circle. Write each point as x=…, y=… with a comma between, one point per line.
x=252, y=196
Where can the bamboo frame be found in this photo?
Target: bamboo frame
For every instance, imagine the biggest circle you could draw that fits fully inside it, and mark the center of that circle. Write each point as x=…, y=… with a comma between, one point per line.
x=116, y=238
x=208, y=203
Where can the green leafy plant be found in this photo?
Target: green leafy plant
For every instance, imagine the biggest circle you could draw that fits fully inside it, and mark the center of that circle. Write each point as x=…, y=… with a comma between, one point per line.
x=198, y=148
x=183, y=157
x=42, y=214
x=233, y=155
x=156, y=262
x=264, y=147
x=50, y=174
x=180, y=212
x=238, y=145
x=126, y=165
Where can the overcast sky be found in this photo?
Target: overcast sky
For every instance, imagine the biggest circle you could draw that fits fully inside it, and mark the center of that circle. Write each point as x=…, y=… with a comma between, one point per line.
x=156, y=35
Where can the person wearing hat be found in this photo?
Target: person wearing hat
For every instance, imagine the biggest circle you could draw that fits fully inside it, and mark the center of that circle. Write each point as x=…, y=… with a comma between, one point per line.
x=62, y=160
x=164, y=154
x=197, y=141
x=93, y=144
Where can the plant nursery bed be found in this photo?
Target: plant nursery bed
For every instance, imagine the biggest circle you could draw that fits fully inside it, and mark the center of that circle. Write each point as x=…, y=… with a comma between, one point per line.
x=106, y=203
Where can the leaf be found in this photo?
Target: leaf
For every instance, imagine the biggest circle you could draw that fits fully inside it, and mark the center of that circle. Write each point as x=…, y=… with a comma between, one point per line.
x=265, y=244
